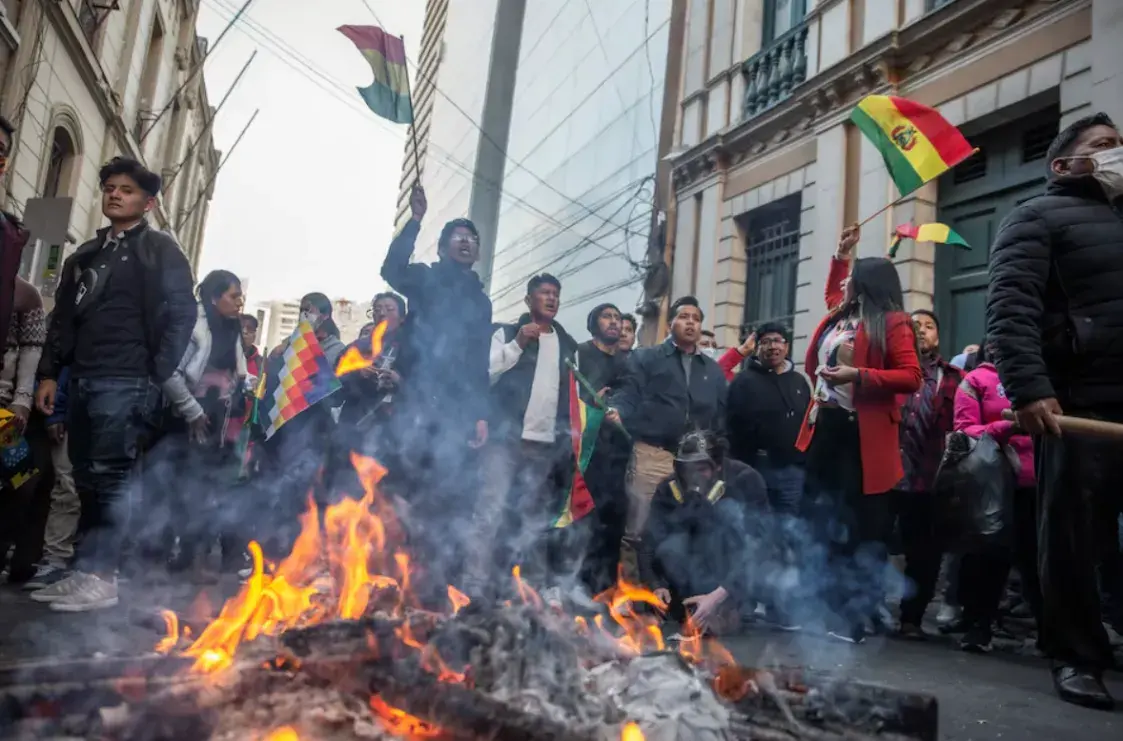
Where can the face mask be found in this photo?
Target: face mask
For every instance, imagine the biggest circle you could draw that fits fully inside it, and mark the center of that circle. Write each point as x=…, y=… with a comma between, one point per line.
x=312, y=317
x=710, y=352
x=1108, y=171
x=696, y=479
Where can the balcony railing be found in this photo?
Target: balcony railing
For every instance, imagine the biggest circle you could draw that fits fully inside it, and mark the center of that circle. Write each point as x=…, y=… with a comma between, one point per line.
x=772, y=73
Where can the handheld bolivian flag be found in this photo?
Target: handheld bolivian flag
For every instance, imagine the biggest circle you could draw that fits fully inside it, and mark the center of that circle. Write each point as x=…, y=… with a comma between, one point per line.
x=299, y=379
x=584, y=426
x=915, y=141
x=388, y=95
x=939, y=233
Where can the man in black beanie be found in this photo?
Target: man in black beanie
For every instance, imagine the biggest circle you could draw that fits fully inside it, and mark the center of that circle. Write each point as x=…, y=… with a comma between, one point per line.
x=1054, y=317
x=602, y=363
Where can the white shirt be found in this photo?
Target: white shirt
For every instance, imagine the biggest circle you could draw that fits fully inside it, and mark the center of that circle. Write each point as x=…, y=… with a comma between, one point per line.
x=837, y=348
x=541, y=416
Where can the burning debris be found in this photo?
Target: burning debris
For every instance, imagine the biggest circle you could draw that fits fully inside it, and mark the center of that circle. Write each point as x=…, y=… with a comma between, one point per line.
x=331, y=644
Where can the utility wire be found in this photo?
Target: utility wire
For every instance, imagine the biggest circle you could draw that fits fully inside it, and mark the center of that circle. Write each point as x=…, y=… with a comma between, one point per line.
x=195, y=72
x=203, y=193
x=209, y=125
x=483, y=133
x=344, y=93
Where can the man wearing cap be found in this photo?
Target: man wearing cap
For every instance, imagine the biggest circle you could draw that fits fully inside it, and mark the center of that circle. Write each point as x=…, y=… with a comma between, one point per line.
x=670, y=389
x=705, y=534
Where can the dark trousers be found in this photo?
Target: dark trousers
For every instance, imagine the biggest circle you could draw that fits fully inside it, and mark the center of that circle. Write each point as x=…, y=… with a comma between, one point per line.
x=108, y=420
x=785, y=486
x=1080, y=495
x=24, y=511
x=982, y=576
x=850, y=528
x=605, y=477
x=923, y=549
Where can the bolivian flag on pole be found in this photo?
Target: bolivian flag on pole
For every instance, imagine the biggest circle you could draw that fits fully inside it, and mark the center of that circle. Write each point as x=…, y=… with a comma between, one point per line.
x=915, y=141
x=584, y=426
x=388, y=95
x=939, y=233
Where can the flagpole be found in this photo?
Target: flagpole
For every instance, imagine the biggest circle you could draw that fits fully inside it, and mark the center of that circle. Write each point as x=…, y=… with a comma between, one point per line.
x=412, y=121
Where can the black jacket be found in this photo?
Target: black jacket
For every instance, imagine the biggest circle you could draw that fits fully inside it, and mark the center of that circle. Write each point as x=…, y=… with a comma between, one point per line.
x=655, y=404
x=510, y=394
x=1055, y=308
x=697, y=545
x=446, y=334
x=600, y=369
x=169, y=302
x=765, y=413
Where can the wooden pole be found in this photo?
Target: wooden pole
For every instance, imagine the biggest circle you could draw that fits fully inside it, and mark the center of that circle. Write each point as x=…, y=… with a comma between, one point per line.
x=1081, y=426
x=412, y=122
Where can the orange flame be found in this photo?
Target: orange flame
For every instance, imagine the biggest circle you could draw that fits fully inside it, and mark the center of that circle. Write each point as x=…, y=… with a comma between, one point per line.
x=457, y=599
x=526, y=592
x=400, y=723
x=631, y=732
x=171, y=623
x=641, y=632
x=353, y=360
x=284, y=733
x=352, y=541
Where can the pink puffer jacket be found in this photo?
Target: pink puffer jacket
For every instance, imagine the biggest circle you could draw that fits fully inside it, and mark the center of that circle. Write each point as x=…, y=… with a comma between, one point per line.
x=979, y=404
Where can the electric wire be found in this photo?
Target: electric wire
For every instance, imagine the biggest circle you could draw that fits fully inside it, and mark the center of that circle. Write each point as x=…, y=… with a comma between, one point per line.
x=344, y=93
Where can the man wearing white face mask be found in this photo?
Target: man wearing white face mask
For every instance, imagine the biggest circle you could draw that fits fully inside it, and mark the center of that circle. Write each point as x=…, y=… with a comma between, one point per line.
x=1055, y=319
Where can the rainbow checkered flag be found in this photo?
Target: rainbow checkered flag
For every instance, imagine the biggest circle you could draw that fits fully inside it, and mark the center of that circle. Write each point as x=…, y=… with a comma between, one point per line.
x=299, y=379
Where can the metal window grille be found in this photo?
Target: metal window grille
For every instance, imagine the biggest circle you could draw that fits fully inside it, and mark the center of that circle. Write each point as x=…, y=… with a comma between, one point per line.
x=772, y=264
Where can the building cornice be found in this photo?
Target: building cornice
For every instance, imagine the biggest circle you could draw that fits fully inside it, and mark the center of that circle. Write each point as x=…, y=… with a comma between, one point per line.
x=878, y=67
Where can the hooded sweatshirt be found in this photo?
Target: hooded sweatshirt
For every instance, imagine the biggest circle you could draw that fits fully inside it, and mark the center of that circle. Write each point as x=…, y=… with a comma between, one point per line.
x=765, y=412
x=979, y=404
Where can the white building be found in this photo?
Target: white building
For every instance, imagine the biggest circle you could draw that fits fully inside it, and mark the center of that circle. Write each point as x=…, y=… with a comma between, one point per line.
x=278, y=319
x=86, y=80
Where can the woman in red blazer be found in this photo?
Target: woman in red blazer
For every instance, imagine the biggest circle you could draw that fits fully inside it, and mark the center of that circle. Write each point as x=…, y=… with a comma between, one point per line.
x=861, y=358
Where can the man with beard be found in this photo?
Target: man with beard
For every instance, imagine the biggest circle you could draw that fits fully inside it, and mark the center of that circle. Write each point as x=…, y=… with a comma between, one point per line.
x=927, y=417
x=123, y=317
x=527, y=463
x=603, y=364
x=670, y=389
x=1054, y=317
x=441, y=417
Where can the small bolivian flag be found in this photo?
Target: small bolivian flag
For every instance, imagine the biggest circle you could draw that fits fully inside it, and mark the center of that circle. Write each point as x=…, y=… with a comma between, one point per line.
x=388, y=95
x=939, y=233
x=915, y=141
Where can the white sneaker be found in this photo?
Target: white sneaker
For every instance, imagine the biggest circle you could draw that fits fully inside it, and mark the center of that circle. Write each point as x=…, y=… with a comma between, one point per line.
x=46, y=575
x=94, y=593
x=60, y=589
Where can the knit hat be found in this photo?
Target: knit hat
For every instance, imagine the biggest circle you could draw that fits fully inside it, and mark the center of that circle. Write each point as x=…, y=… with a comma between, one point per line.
x=594, y=316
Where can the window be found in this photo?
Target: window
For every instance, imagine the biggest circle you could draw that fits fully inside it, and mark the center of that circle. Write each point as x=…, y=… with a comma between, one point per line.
x=60, y=164
x=781, y=16
x=150, y=79
x=91, y=16
x=773, y=260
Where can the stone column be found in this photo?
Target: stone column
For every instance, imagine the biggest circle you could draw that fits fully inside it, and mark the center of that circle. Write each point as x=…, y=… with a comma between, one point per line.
x=1107, y=72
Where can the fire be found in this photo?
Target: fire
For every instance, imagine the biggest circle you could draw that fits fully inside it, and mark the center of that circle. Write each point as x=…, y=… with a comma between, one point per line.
x=400, y=723
x=641, y=632
x=631, y=732
x=284, y=733
x=526, y=592
x=353, y=360
x=457, y=599
x=171, y=623
x=352, y=543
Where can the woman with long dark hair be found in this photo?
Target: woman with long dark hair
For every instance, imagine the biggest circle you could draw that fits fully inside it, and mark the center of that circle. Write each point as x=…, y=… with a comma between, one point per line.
x=861, y=358
x=204, y=395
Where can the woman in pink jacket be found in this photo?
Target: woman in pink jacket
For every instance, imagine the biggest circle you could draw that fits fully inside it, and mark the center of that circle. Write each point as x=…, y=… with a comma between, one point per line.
x=979, y=404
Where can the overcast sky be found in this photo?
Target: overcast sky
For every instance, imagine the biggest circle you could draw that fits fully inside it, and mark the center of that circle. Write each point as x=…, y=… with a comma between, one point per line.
x=306, y=202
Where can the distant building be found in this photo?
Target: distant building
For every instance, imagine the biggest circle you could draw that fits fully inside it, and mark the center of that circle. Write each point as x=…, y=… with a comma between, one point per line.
x=283, y=316
x=87, y=80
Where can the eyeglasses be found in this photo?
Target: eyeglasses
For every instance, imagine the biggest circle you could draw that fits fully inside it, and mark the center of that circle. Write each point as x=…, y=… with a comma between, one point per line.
x=773, y=342
x=461, y=239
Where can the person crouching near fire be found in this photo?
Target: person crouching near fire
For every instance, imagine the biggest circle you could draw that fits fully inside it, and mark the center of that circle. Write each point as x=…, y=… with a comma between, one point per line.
x=705, y=530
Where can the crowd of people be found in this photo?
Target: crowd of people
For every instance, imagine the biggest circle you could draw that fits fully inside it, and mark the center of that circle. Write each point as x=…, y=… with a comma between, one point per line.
x=732, y=484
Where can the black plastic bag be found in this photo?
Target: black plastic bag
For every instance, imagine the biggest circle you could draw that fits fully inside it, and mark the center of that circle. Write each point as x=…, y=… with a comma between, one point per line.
x=974, y=491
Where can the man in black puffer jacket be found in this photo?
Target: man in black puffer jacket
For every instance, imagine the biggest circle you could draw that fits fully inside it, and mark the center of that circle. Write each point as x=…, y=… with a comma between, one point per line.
x=1055, y=318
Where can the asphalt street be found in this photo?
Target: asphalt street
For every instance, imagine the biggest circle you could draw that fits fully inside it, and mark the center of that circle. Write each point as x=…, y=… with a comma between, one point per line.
x=1004, y=695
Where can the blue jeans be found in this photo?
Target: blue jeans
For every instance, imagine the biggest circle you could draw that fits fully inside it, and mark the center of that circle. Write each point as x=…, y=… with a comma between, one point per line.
x=785, y=487
x=108, y=420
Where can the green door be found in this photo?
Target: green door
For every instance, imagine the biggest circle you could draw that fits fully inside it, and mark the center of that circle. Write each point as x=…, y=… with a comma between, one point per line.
x=974, y=198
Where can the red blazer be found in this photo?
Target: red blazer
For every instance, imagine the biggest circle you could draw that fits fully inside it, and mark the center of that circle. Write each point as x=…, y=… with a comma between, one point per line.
x=876, y=392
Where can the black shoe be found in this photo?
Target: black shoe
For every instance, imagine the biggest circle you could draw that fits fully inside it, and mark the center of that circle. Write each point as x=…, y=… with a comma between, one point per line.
x=959, y=625
x=1082, y=688
x=977, y=640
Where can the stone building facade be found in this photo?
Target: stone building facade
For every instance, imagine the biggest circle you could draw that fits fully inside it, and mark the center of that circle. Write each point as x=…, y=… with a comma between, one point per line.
x=767, y=169
x=86, y=80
